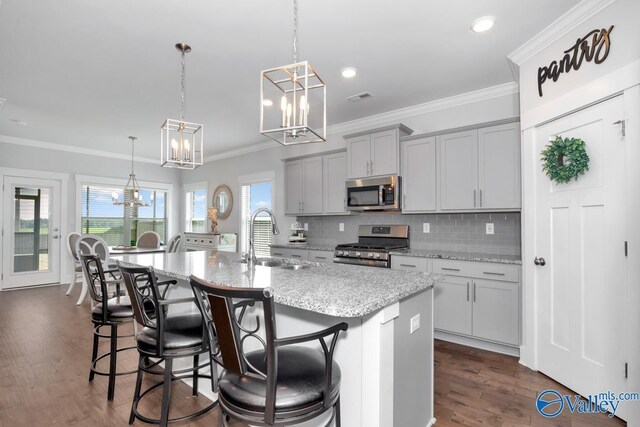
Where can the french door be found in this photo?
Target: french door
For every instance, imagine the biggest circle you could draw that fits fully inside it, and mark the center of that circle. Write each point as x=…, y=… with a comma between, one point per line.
x=31, y=232
x=581, y=285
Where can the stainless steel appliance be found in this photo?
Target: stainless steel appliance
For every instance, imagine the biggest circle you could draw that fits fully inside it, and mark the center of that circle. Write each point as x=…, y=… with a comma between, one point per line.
x=373, y=246
x=374, y=194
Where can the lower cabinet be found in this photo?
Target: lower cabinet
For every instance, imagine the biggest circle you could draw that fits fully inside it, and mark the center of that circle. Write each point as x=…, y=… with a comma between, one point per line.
x=495, y=311
x=303, y=254
x=452, y=305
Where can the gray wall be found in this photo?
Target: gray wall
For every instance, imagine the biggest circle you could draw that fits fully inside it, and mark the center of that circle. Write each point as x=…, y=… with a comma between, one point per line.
x=449, y=232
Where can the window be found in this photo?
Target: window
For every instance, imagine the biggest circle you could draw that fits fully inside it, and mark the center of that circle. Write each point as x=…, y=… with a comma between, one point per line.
x=254, y=196
x=120, y=225
x=196, y=210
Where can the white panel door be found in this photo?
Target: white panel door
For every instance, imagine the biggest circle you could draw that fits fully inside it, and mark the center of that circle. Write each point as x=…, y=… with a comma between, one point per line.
x=458, y=170
x=384, y=153
x=358, y=156
x=419, y=175
x=293, y=187
x=496, y=314
x=452, y=305
x=580, y=228
x=499, y=167
x=334, y=189
x=312, y=186
x=31, y=225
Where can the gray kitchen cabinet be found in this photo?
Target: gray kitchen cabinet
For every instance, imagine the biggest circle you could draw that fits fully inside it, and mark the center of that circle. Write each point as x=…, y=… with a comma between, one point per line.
x=293, y=187
x=301, y=254
x=458, y=170
x=409, y=263
x=495, y=311
x=385, y=153
x=335, y=191
x=320, y=256
x=375, y=152
x=419, y=175
x=499, y=167
x=312, y=186
x=452, y=305
x=359, y=156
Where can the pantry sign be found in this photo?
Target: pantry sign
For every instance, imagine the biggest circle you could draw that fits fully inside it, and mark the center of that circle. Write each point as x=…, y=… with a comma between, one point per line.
x=592, y=47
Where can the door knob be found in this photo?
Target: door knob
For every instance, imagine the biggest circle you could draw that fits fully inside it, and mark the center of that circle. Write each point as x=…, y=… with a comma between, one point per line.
x=55, y=236
x=539, y=261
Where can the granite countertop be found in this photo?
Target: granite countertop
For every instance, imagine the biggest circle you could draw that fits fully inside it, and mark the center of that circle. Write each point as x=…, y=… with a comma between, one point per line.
x=308, y=246
x=459, y=256
x=333, y=289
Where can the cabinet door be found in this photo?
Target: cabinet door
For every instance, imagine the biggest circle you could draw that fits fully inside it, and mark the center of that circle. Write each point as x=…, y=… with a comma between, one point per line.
x=496, y=311
x=358, y=156
x=452, y=305
x=293, y=187
x=458, y=170
x=384, y=153
x=419, y=175
x=312, y=186
x=499, y=167
x=334, y=189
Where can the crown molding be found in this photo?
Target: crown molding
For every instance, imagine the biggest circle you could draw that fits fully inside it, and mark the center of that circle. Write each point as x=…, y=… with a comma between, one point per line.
x=390, y=116
x=71, y=149
x=558, y=28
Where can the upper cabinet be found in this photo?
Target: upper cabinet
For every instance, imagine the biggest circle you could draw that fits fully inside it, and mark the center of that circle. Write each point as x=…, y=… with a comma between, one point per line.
x=335, y=176
x=480, y=169
x=293, y=187
x=375, y=153
x=418, y=173
x=303, y=186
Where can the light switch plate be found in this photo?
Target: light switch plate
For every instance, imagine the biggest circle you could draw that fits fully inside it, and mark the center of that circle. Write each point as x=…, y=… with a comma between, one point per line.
x=489, y=228
x=306, y=226
x=426, y=227
x=415, y=323
x=341, y=226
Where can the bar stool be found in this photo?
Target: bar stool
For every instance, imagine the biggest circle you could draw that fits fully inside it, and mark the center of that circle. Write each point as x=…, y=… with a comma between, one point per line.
x=107, y=311
x=280, y=384
x=163, y=337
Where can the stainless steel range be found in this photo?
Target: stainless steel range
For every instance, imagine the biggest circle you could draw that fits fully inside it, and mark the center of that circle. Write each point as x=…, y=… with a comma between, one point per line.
x=374, y=244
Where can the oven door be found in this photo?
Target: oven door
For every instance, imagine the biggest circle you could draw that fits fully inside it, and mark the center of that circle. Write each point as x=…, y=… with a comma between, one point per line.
x=364, y=198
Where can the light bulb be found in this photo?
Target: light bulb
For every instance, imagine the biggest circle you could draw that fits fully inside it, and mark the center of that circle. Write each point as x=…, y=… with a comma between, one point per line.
x=483, y=24
x=349, y=72
x=174, y=143
x=267, y=102
x=187, y=146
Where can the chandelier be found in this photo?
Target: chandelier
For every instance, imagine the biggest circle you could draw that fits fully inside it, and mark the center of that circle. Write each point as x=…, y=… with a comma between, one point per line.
x=131, y=196
x=181, y=141
x=300, y=104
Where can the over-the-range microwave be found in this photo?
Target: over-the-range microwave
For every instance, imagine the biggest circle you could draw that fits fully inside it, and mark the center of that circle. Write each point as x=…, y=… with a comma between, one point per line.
x=374, y=194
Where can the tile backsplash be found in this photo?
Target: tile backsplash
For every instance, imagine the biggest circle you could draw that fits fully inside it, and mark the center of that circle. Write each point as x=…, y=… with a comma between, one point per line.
x=449, y=232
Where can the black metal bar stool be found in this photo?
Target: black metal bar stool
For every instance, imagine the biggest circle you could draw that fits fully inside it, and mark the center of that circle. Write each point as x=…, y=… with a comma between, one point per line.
x=282, y=384
x=163, y=337
x=108, y=310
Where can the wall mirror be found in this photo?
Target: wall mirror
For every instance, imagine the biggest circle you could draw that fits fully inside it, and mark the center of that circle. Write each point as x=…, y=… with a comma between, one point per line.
x=223, y=201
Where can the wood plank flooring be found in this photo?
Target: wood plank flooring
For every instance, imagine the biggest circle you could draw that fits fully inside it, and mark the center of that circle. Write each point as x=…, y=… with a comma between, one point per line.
x=45, y=350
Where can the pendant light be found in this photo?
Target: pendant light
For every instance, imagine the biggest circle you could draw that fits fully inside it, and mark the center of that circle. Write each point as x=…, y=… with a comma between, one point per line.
x=132, y=196
x=181, y=142
x=293, y=100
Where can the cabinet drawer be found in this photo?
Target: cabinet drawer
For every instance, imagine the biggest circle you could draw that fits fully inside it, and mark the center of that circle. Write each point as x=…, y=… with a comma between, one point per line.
x=453, y=268
x=320, y=256
x=290, y=253
x=479, y=270
x=409, y=263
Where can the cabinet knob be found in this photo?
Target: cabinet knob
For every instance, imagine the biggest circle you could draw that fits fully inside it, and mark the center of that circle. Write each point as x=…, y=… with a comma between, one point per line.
x=539, y=261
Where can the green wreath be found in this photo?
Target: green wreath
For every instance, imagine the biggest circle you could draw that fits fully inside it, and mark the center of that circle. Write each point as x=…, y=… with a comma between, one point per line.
x=565, y=159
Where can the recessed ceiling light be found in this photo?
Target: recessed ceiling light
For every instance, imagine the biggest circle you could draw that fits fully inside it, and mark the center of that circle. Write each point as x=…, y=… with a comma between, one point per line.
x=267, y=103
x=483, y=24
x=349, y=72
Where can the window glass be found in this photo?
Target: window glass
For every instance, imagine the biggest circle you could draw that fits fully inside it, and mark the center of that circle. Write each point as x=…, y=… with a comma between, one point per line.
x=255, y=196
x=196, y=211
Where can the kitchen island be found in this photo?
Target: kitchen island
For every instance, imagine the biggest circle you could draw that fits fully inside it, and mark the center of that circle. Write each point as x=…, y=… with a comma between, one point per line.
x=386, y=356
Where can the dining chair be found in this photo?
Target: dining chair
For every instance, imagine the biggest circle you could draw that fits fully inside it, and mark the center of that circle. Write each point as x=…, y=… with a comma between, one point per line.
x=278, y=384
x=91, y=244
x=148, y=239
x=174, y=244
x=72, y=238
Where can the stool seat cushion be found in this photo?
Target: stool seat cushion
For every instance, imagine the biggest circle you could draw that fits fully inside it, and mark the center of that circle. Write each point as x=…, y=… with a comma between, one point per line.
x=180, y=332
x=117, y=309
x=300, y=380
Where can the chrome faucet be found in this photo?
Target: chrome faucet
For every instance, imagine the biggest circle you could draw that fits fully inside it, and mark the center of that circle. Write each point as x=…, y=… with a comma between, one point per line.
x=274, y=229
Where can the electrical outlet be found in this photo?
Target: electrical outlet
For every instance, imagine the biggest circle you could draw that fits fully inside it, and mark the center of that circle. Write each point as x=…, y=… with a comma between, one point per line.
x=489, y=228
x=306, y=226
x=415, y=323
x=341, y=226
x=426, y=227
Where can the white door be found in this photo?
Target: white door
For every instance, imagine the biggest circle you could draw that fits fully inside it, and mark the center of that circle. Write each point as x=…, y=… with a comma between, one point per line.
x=580, y=228
x=293, y=187
x=384, y=153
x=419, y=175
x=31, y=232
x=459, y=170
x=312, y=186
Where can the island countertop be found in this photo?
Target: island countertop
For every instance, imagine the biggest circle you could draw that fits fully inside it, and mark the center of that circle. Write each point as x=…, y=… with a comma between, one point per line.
x=333, y=289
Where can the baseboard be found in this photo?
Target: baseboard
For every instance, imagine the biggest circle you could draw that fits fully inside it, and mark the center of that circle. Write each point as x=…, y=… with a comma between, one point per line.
x=472, y=342
x=22, y=288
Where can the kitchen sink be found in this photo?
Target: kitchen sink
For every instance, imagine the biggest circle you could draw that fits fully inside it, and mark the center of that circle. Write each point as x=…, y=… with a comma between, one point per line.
x=269, y=262
x=294, y=266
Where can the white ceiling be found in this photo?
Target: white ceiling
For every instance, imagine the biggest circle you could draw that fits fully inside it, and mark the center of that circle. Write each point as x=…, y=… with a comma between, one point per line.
x=90, y=73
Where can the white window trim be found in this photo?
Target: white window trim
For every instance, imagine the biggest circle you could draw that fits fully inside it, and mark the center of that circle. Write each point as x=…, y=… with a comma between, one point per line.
x=252, y=179
x=101, y=180
x=186, y=188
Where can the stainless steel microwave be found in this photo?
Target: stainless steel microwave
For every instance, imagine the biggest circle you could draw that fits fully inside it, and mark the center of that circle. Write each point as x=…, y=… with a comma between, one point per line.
x=374, y=194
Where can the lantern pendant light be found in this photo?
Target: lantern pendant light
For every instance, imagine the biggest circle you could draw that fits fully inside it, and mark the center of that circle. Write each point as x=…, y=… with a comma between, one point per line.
x=181, y=141
x=293, y=100
x=132, y=196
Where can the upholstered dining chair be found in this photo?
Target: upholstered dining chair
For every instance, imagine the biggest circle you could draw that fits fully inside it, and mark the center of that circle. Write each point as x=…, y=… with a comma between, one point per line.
x=91, y=244
x=279, y=384
x=174, y=244
x=72, y=238
x=148, y=239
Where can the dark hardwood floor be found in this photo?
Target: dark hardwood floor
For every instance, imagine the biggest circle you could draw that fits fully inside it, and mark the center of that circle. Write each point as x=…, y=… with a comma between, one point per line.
x=45, y=349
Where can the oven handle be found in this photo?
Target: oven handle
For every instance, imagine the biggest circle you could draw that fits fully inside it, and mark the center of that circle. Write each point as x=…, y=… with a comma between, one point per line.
x=381, y=196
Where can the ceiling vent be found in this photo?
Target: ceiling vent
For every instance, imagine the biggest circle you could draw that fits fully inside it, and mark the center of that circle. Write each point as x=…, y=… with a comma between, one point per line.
x=359, y=96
